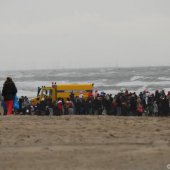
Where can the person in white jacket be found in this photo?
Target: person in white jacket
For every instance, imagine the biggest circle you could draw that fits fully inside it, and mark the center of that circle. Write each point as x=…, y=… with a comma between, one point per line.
x=155, y=108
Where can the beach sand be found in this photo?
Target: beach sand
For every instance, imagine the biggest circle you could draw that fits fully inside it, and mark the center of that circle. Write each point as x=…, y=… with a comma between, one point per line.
x=84, y=143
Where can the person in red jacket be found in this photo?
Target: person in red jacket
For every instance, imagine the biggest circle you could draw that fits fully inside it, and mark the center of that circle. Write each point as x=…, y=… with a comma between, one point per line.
x=140, y=109
x=60, y=106
x=8, y=92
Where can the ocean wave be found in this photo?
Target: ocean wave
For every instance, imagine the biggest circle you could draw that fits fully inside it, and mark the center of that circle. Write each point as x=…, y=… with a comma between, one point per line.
x=164, y=78
x=134, y=78
x=142, y=83
x=110, y=80
x=30, y=94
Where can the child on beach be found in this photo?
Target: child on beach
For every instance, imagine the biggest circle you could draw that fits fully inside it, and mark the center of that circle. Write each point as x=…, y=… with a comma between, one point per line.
x=140, y=109
x=155, y=108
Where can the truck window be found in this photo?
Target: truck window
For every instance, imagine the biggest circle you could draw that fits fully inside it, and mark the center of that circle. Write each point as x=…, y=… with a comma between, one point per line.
x=47, y=92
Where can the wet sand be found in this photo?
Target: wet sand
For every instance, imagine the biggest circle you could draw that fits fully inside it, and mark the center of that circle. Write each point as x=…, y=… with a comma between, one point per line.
x=84, y=143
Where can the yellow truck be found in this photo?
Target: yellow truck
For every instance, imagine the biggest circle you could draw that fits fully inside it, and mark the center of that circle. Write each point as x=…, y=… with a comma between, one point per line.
x=63, y=91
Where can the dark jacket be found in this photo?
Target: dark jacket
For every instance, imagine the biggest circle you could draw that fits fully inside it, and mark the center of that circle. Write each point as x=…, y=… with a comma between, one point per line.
x=9, y=90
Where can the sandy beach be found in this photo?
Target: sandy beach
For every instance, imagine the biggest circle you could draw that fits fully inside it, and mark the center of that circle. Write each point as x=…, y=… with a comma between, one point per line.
x=84, y=143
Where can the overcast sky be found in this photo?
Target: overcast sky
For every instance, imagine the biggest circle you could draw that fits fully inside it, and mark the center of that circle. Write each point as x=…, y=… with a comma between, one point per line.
x=43, y=34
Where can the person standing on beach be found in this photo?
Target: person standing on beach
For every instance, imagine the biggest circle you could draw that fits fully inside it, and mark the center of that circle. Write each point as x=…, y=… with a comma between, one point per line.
x=1, y=103
x=8, y=92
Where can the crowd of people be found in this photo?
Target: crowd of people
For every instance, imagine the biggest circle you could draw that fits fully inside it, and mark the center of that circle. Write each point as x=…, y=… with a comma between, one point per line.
x=124, y=103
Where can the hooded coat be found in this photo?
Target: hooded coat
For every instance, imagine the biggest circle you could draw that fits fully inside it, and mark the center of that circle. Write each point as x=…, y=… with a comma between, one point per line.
x=9, y=90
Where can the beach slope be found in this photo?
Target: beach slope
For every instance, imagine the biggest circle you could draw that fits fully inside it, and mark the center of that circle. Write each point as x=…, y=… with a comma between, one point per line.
x=84, y=143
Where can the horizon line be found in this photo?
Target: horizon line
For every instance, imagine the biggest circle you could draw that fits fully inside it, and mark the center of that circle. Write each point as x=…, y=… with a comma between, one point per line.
x=68, y=68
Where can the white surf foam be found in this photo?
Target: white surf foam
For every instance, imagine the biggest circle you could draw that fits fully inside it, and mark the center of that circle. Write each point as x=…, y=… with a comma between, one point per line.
x=134, y=78
x=142, y=83
x=164, y=78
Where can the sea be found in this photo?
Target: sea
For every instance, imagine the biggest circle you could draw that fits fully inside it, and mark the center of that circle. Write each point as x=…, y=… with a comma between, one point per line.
x=108, y=80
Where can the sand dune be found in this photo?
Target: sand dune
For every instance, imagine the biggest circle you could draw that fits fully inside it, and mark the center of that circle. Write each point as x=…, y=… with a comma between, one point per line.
x=84, y=143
